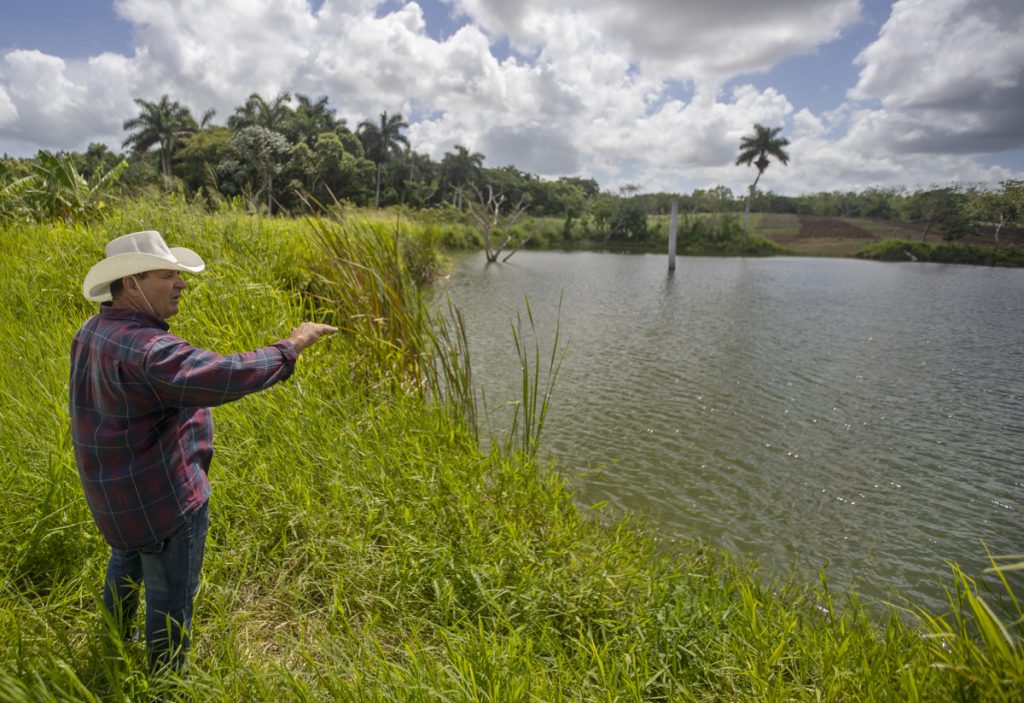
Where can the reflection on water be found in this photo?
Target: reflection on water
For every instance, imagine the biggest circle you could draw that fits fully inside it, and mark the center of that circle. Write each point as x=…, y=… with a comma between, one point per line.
x=803, y=412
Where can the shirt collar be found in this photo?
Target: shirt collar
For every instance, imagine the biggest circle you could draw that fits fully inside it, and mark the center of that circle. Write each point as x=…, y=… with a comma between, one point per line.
x=111, y=313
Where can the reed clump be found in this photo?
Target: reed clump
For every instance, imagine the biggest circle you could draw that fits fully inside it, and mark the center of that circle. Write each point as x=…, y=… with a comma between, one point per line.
x=363, y=547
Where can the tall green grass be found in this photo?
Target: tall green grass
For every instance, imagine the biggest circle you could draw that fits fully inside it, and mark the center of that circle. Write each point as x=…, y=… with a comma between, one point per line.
x=531, y=408
x=363, y=548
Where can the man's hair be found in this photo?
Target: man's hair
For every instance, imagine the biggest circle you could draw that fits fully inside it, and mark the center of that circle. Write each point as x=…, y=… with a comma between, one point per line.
x=117, y=286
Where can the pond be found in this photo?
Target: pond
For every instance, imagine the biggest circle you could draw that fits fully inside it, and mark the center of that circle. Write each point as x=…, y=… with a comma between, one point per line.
x=860, y=416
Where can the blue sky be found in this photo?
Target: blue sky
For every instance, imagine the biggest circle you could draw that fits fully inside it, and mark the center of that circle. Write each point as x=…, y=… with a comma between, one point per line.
x=74, y=29
x=819, y=79
x=871, y=93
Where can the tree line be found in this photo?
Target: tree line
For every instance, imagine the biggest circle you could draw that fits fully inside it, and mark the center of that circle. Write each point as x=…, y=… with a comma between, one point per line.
x=281, y=152
x=951, y=212
x=285, y=153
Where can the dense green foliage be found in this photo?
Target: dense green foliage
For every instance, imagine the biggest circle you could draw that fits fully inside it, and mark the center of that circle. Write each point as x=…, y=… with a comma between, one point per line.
x=362, y=547
x=720, y=234
x=946, y=213
x=945, y=253
x=79, y=187
x=291, y=152
x=51, y=187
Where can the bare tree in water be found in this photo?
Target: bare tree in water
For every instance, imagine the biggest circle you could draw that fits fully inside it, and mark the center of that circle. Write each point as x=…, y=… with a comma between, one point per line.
x=496, y=221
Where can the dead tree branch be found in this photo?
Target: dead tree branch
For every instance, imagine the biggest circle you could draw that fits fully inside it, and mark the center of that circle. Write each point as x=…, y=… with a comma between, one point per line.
x=495, y=225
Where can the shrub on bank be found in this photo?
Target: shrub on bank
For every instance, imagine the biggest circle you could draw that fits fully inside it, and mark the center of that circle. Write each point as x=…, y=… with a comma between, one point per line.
x=945, y=253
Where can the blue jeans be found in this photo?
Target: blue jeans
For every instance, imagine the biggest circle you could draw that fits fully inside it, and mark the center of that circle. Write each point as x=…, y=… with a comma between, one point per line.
x=169, y=571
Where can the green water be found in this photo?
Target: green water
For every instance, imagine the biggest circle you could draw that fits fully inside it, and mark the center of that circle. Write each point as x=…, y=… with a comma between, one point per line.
x=861, y=416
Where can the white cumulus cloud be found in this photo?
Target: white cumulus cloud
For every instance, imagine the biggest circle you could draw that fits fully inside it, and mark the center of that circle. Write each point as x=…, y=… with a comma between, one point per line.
x=949, y=75
x=687, y=40
x=623, y=92
x=8, y=112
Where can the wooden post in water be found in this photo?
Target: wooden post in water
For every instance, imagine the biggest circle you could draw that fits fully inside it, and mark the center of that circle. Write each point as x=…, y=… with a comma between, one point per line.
x=672, y=229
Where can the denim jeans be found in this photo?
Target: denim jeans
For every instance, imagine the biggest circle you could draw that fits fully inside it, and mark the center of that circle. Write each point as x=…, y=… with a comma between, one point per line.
x=169, y=572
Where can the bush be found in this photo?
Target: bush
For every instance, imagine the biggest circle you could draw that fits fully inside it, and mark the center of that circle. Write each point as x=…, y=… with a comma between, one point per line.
x=946, y=253
x=720, y=234
x=629, y=223
x=421, y=253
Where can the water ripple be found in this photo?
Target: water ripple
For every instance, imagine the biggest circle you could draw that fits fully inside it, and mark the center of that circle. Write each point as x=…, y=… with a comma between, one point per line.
x=804, y=412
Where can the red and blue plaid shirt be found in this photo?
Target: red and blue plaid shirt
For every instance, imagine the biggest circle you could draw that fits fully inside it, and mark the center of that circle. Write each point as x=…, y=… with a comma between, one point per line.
x=140, y=419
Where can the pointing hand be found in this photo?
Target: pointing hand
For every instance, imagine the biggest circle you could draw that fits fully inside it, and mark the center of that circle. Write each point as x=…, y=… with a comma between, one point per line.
x=307, y=333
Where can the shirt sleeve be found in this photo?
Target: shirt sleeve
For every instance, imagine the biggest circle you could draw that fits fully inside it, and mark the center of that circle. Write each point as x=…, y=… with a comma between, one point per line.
x=185, y=376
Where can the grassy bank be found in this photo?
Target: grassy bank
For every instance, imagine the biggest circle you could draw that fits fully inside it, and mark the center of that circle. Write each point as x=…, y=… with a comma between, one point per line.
x=945, y=253
x=703, y=234
x=362, y=548
x=883, y=240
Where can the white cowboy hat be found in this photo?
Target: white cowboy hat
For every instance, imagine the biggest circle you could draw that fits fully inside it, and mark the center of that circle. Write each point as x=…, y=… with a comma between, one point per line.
x=136, y=253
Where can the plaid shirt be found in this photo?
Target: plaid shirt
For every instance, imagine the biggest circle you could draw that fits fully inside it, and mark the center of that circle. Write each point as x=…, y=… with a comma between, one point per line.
x=140, y=419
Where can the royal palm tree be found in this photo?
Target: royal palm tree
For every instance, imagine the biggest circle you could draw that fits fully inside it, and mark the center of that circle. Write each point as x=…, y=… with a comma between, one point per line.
x=257, y=111
x=164, y=123
x=461, y=169
x=422, y=184
x=755, y=149
x=207, y=119
x=380, y=142
x=312, y=118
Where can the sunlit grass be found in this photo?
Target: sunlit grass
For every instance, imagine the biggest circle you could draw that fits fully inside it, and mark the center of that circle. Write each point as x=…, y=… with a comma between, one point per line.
x=363, y=548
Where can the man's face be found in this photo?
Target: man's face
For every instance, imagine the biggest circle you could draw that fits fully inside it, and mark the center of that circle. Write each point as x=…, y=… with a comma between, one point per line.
x=162, y=289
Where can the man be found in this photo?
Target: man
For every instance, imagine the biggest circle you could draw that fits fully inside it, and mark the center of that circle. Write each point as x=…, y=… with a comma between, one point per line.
x=142, y=431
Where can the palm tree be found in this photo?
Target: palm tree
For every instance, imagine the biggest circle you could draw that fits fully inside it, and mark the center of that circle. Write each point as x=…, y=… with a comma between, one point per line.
x=421, y=183
x=379, y=142
x=257, y=111
x=207, y=119
x=312, y=118
x=461, y=169
x=764, y=142
x=162, y=123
